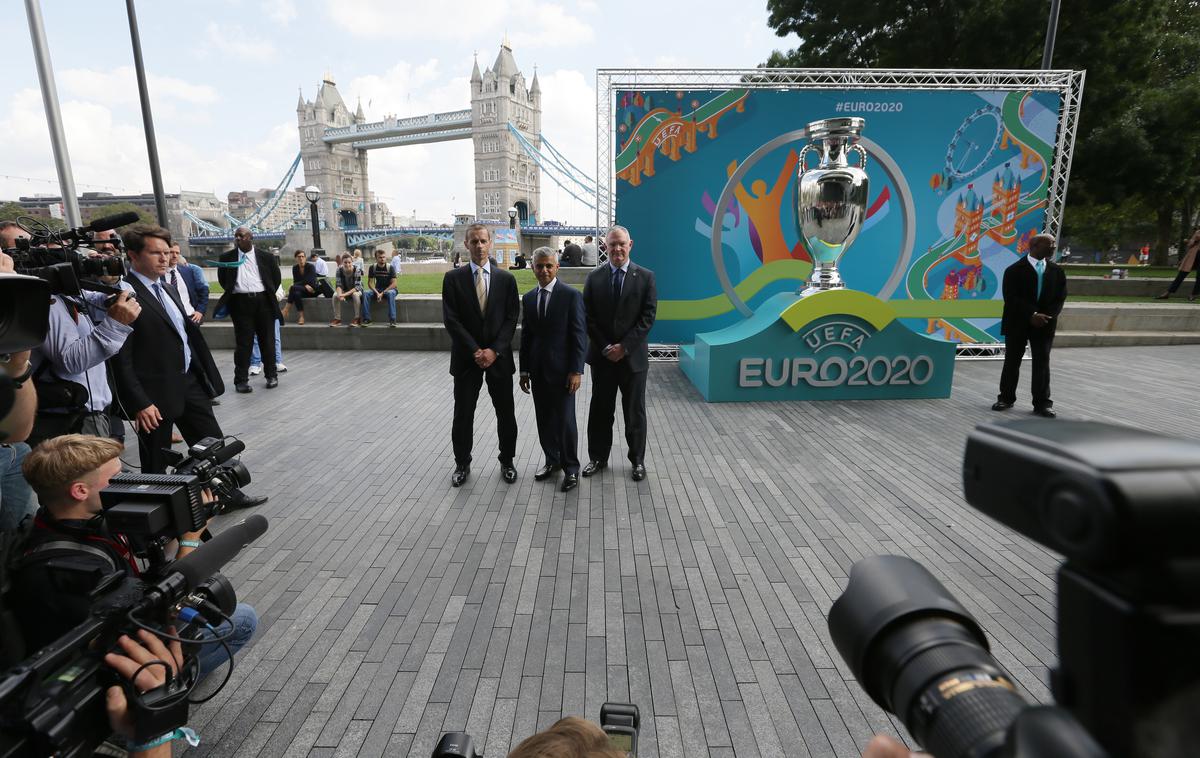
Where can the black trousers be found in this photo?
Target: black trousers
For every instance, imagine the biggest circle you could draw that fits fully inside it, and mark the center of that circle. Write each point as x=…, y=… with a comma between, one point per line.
x=323, y=288
x=297, y=294
x=466, y=397
x=195, y=422
x=607, y=378
x=252, y=316
x=1040, y=342
x=1182, y=276
x=558, y=431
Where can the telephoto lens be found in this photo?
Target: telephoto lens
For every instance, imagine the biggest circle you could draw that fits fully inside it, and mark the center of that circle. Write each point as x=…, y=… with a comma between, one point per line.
x=919, y=654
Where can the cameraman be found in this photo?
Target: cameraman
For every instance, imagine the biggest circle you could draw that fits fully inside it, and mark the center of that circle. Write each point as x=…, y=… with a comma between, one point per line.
x=16, y=499
x=10, y=232
x=74, y=356
x=70, y=548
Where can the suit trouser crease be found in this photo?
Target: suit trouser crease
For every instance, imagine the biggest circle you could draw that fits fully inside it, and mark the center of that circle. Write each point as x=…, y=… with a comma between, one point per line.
x=195, y=422
x=466, y=396
x=607, y=379
x=1181, y=277
x=1014, y=351
x=252, y=317
x=558, y=430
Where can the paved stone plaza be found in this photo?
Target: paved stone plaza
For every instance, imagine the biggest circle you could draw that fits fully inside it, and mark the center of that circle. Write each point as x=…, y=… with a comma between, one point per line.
x=395, y=607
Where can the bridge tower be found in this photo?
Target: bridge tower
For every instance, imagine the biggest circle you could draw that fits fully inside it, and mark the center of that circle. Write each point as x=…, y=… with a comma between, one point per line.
x=505, y=177
x=339, y=170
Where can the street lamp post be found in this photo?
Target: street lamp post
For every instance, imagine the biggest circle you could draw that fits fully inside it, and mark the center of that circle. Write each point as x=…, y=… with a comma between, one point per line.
x=512, y=218
x=313, y=193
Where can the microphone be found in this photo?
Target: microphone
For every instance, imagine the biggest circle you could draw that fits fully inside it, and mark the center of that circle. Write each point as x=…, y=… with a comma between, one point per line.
x=104, y=223
x=189, y=572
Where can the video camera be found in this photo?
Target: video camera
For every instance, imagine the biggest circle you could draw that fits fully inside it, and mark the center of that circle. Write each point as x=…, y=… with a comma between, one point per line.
x=620, y=721
x=1123, y=507
x=153, y=509
x=67, y=260
x=54, y=702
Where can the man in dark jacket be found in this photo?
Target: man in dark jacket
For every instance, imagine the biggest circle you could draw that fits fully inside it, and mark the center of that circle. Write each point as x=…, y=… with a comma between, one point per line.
x=480, y=307
x=250, y=278
x=1035, y=289
x=621, y=301
x=553, y=341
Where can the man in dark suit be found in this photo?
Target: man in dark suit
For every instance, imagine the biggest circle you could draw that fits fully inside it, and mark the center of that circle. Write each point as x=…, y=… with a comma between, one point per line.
x=197, y=287
x=480, y=308
x=621, y=303
x=553, y=342
x=1035, y=289
x=250, y=278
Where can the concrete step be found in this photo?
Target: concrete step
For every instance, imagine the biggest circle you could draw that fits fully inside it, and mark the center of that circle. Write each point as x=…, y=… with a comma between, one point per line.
x=1132, y=287
x=377, y=336
x=1154, y=316
x=1123, y=339
x=413, y=309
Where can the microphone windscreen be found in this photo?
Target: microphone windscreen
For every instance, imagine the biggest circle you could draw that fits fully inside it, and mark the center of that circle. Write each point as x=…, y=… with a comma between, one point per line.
x=209, y=558
x=104, y=223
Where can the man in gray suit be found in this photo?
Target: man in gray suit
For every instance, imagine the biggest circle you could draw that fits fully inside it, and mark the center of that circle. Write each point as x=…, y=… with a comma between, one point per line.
x=621, y=303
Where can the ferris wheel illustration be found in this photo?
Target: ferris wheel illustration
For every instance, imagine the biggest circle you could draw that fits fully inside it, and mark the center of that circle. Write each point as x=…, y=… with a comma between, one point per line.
x=973, y=144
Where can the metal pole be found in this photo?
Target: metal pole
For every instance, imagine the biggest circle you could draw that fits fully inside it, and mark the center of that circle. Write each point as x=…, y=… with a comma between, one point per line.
x=58, y=138
x=1051, y=33
x=316, y=225
x=160, y=200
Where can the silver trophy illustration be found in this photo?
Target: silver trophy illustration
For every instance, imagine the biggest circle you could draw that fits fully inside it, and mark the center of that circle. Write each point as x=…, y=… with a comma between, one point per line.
x=831, y=199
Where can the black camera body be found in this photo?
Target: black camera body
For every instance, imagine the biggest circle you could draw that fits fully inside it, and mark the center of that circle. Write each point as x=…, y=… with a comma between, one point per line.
x=1123, y=506
x=53, y=702
x=213, y=462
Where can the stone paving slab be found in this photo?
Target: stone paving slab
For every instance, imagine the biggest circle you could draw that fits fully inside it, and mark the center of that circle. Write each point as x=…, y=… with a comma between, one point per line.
x=394, y=607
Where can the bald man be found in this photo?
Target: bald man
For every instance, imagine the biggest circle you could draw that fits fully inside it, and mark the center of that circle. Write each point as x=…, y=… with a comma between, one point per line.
x=250, y=277
x=1035, y=289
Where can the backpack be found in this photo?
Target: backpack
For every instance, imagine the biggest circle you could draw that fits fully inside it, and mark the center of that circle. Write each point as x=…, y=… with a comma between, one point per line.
x=12, y=647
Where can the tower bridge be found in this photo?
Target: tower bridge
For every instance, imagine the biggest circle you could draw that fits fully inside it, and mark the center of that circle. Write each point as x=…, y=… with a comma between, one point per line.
x=334, y=143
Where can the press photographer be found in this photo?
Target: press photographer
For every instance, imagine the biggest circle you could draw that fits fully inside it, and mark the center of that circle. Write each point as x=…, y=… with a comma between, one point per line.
x=71, y=548
x=1123, y=508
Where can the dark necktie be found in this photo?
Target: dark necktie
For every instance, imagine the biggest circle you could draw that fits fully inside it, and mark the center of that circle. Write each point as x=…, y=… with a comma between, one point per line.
x=618, y=278
x=543, y=296
x=174, y=281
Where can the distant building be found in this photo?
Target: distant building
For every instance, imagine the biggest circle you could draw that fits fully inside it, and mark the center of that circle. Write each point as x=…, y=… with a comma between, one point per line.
x=291, y=210
x=92, y=205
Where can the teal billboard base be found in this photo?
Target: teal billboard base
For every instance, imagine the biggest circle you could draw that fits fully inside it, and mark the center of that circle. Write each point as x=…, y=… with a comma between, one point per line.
x=836, y=345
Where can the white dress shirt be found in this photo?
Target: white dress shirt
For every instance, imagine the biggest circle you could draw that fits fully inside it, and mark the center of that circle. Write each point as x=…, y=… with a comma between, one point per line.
x=320, y=267
x=487, y=274
x=181, y=288
x=549, y=295
x=248, y=278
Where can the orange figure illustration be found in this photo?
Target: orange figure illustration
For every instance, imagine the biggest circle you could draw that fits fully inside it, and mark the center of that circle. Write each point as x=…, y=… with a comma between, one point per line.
x=763, y=208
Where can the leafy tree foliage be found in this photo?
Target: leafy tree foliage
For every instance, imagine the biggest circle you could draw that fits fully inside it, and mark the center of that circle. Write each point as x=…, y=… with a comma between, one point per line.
x=1138, y=145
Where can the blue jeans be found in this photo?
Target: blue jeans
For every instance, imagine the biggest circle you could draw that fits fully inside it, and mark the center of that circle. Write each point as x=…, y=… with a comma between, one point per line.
x=256, y=357
x=213, y=657
x=369, y=297
x=16, y=498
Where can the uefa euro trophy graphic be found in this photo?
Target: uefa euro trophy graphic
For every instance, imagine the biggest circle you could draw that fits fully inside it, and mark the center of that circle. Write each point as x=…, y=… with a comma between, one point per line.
x=831, y=199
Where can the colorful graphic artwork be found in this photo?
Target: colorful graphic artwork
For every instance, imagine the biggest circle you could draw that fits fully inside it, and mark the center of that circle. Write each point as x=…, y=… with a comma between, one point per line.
x=959, y=182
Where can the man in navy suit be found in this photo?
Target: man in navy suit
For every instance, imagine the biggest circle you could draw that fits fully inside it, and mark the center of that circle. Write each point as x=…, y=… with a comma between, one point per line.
x=188, y=281
x=621, y=302
x=480, y=307
x=553, y=342
x=1035, y=289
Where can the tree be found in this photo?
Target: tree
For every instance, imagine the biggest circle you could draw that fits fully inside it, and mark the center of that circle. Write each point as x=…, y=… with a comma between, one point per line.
x=115, y=208
x=405, y=243
x=14, y=211
x=1137, y=142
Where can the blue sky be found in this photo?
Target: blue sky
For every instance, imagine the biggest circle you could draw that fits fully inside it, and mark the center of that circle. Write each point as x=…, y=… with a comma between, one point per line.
x=224, y=76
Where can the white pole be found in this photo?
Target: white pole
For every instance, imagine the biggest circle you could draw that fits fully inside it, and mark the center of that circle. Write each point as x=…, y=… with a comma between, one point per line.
x=58, y=139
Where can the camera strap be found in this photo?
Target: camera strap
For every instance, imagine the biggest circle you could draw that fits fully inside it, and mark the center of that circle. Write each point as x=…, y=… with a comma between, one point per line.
x=67, y=546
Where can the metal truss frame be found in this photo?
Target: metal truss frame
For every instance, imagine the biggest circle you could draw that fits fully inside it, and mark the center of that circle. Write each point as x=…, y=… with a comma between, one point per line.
x=1068, y=85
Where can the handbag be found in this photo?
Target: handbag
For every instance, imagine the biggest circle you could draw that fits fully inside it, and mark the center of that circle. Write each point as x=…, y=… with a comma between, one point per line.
x=62, y=405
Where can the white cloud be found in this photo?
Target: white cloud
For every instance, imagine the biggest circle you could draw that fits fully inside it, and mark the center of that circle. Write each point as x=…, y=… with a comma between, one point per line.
x=235, y=42
x=569, y=122
x=119, y=85
x=541, y=24
x=280, y=11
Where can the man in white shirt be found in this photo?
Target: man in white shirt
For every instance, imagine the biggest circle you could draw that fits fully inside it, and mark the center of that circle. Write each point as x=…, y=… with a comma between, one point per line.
x=175, y=278
x=394, y=263
x=322, y=269
x=250, y=277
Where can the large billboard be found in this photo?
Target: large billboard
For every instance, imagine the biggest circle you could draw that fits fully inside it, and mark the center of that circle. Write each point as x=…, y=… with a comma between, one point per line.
x=959, y=181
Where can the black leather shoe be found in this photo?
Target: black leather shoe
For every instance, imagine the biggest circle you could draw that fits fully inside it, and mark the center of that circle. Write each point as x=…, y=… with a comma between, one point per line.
x=216, y=401
x=594, y=467
x=243, y=388
x=639, y=472
x=545, y=472
x=508, y=472
x=570, y=482
x=242, y=500
x=1000, y=405
x=272, y=383
x=460, y=475
x=1045, y=412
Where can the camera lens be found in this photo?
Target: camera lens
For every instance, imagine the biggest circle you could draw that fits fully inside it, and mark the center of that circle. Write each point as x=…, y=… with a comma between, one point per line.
x=919, y=654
